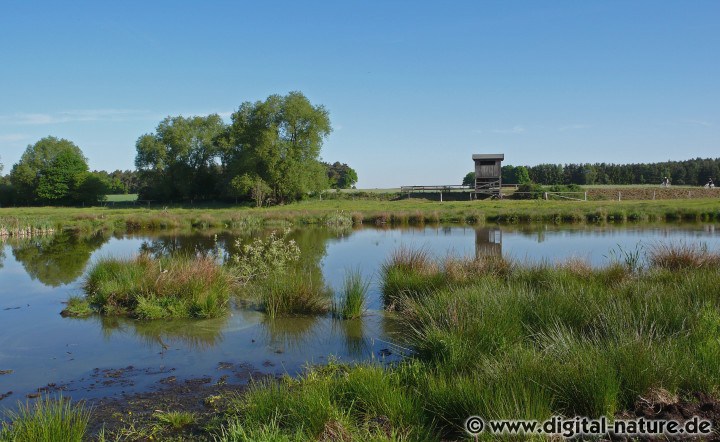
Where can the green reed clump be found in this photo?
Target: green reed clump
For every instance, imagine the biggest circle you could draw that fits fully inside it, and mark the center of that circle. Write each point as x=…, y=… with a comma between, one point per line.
x=77, y=306
x=152, y=288
x=292, y=291
x=338, y=219
x=175, y=419
x=46, y=420
x=351, y=304
x=678, y=256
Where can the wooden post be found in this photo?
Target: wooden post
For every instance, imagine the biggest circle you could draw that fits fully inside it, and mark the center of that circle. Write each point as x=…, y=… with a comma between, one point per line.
x=586, y=196
x=619, y=197
x=441, y=196
x=545, y=196
x=653, y=194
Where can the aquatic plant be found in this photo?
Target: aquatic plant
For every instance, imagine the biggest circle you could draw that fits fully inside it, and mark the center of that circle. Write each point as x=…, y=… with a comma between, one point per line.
x=293, y=291
x=351, y=304
x=167, y=287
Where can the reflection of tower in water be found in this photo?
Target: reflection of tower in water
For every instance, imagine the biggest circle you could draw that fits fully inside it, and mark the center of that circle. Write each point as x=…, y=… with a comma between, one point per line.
x=488, y=242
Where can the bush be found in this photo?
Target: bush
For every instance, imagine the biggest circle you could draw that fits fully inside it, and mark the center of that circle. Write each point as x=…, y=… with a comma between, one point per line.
x=528, y=191
x=263, y=257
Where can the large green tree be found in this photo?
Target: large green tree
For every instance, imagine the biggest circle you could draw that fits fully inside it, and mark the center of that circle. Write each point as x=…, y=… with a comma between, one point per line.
x=180, y=160
x=340, y=175
x=53, y=171
x=279, y=141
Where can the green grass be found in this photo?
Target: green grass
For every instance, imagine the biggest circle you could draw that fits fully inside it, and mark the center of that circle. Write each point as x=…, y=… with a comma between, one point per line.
x=175, y=419
x=289, y=292
x=78, y=306
x=122, y=197
x=365, y=211
x=155, y=288
x=504, y=340
x=351, y=304
x=46, y=420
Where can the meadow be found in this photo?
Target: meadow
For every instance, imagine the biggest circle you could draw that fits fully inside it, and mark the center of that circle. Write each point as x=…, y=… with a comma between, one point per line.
x=23, y=221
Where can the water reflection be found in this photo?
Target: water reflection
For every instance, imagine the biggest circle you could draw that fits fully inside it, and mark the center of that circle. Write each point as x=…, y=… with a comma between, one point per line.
x=488, y=242
x=289, y=333
x=198, y=334
x=357, y=342
x=58, y=259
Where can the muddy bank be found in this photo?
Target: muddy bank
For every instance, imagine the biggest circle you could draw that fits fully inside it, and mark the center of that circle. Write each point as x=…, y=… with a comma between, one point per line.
x=137, y=416
x=661, y=405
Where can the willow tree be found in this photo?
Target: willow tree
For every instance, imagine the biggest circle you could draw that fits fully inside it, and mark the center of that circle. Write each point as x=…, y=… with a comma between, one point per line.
x=278, y=141
x=180, y=160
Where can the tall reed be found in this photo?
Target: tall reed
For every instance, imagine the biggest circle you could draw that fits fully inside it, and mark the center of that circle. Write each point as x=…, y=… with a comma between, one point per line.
x=351, y=304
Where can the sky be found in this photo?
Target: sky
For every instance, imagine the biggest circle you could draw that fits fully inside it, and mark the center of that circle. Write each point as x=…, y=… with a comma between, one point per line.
x=413, y=88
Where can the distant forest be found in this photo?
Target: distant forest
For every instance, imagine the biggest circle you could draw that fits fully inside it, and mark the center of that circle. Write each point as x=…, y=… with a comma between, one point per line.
x=689, y=172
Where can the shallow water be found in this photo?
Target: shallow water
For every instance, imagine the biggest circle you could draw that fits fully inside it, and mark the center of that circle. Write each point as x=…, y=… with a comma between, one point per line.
x=83, y=356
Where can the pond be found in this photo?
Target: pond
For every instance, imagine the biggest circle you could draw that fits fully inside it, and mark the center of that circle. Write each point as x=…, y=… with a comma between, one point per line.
x=100, y=356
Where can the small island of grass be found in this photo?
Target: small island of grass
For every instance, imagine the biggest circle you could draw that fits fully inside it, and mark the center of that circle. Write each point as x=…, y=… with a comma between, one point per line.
x=154, y=288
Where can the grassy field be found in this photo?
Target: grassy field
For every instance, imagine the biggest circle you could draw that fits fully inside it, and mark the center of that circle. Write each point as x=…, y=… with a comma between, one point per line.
x=369, y=212
x=122, y=198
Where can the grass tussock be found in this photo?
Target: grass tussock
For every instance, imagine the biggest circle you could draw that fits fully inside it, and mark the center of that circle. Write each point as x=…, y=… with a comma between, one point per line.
x=289, y=292
x=46, y=420
x=351, y=304
x=682, y=256
x=414, y=273
x=152, y=288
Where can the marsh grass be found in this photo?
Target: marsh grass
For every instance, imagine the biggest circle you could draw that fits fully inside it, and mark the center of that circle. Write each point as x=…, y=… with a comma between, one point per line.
x=679, y=256
x=293, y=291
x=152, y=288
x=351, y=304
x=77, y=306
x=176, y=420
x=47, y=420
x=506, y=341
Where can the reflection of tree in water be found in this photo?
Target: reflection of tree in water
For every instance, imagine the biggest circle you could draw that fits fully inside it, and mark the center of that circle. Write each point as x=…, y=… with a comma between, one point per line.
x=57, y=259
x=357, y=345
x=290, y=332
x=197, y=334
x=189, y=244
x=2, y=253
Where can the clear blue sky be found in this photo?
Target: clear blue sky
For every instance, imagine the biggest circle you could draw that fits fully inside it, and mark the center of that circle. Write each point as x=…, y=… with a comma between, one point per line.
x=413, y=88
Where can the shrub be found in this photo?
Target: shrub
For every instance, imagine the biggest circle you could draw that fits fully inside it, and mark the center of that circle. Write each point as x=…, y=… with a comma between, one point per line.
x=262, y=257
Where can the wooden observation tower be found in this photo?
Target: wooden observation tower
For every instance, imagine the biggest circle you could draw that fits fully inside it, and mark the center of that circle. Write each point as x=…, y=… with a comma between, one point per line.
x=488, y=180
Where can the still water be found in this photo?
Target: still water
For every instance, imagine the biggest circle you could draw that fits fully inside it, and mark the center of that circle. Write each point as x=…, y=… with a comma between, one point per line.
x=97, y=357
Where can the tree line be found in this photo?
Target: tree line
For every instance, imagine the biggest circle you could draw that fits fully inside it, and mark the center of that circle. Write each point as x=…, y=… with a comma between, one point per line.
x=694, y=172
x=268, y=153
